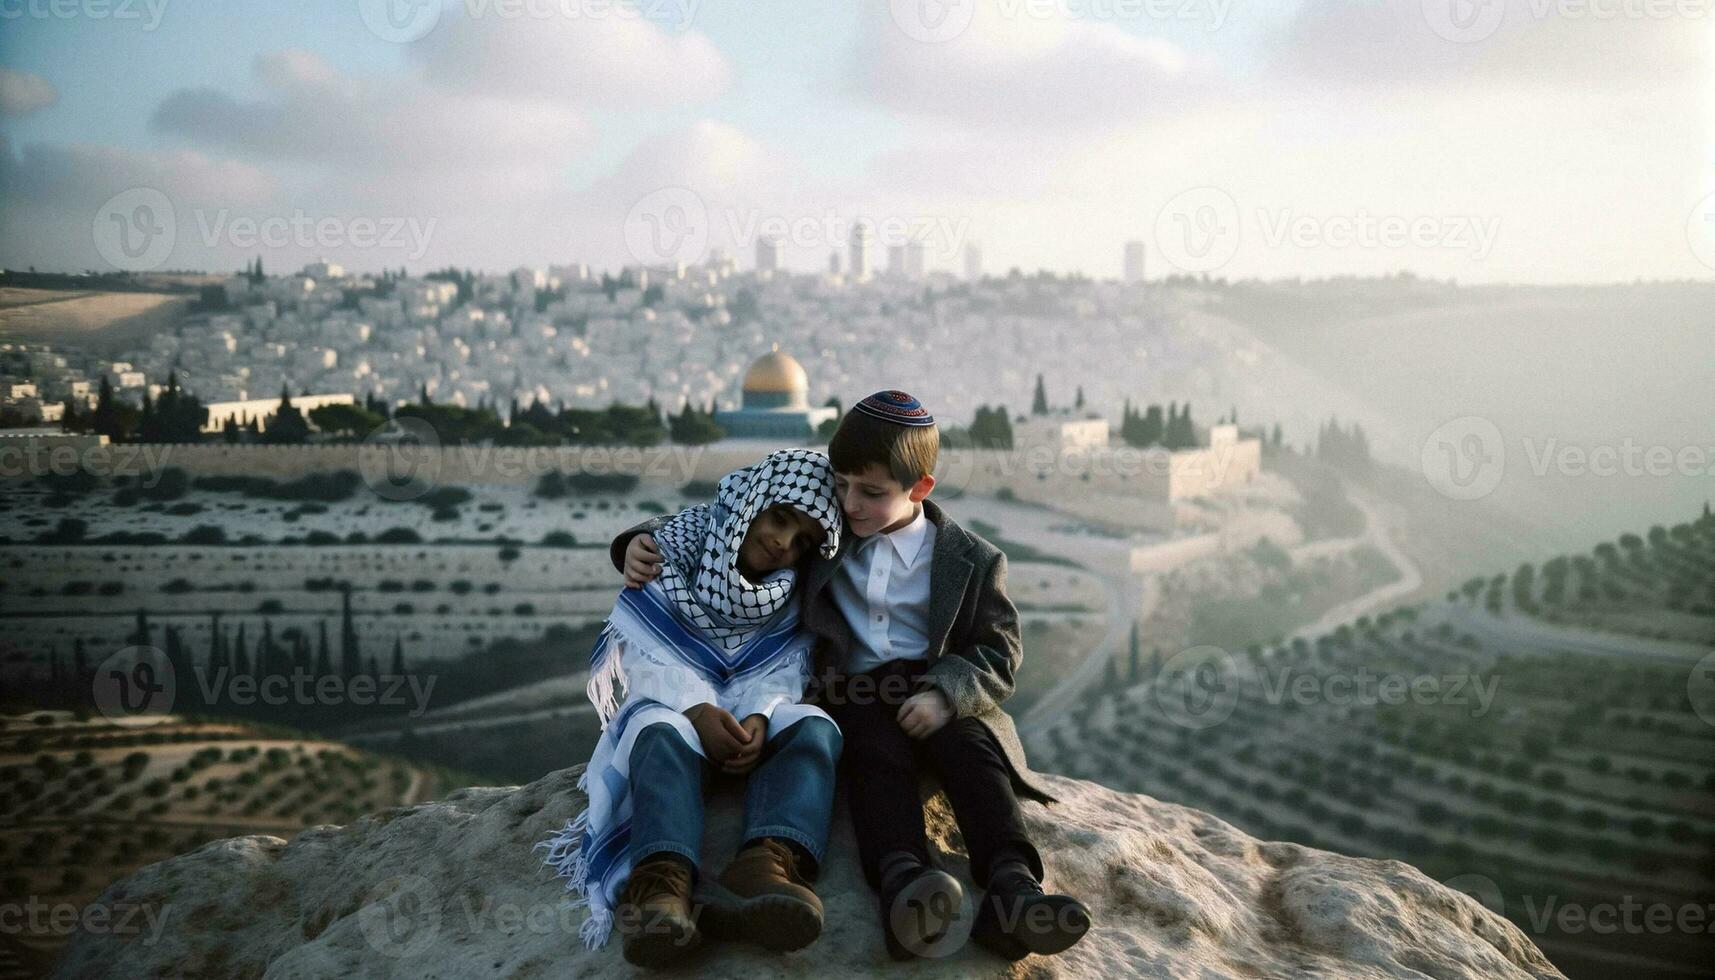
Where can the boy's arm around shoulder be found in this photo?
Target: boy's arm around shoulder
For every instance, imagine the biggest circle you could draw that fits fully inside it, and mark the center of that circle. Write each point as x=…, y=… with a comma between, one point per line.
x=977, y=675
x=616, y=550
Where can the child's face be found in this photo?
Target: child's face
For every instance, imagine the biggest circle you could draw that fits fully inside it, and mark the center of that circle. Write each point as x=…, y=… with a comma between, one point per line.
x=776, y=539
x=873, y=500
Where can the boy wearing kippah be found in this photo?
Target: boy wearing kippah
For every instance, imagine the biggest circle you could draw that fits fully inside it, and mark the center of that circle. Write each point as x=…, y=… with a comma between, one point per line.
x=917, y=646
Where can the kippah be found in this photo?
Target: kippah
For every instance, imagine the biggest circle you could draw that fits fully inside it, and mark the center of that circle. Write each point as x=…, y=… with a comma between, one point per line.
x=895, y=406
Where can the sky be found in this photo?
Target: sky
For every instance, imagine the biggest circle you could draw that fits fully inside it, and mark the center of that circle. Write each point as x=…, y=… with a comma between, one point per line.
x=1546, y=141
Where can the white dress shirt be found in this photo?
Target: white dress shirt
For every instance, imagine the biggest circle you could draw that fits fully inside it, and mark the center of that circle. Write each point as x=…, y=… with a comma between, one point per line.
x=882, y=589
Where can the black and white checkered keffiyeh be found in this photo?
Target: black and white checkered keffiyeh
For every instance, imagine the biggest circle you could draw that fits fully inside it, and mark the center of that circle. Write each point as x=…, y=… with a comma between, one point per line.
x=700, y=545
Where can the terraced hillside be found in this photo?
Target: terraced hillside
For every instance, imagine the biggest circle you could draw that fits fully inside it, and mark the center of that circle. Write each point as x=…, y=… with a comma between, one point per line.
x=86, y=801
x=1564, y=776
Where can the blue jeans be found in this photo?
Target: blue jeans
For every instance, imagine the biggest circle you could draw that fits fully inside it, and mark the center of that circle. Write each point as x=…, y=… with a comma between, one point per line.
x=789, y=795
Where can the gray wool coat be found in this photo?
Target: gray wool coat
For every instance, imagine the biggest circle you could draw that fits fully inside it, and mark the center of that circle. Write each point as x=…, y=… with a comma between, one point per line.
x=974, y=647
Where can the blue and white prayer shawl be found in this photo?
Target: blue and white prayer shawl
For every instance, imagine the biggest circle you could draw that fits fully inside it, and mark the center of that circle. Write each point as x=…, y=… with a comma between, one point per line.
x=593, y=851
x=700, y=624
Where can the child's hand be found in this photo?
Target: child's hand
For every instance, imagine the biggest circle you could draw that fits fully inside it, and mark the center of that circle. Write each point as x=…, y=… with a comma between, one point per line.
x=721, y=734
x=751, y=754
x=642, y=561
x=922, y=715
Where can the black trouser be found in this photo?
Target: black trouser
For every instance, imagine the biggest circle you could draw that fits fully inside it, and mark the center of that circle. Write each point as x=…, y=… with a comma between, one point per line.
x=882, y=764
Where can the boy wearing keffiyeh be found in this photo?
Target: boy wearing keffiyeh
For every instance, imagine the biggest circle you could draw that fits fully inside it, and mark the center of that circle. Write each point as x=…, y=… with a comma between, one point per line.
x=918, y=648
x=714, y=664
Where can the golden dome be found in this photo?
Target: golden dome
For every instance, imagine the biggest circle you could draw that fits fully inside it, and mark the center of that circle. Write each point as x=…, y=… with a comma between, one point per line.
x=776, y=373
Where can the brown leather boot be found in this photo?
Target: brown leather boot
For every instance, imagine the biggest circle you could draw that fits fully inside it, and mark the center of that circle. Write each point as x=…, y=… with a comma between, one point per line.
x=654, y=913
x=763, y=897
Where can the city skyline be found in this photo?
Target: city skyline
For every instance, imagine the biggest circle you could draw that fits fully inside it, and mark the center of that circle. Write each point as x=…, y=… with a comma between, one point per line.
x=1051, y=132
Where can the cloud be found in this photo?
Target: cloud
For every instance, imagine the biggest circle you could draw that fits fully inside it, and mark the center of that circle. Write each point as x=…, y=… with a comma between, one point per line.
x=1518, y=43
x=316, y=114
x=23, y=92
x=611, y=62
x=1013, y=70
x=50, y=196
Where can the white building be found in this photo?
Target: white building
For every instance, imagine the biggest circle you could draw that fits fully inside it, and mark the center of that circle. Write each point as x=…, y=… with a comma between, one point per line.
x=1062, y=433
x=973, y=261
x=916, y=259
x=859, y=248
x=767, y=255
x=323, y=269
x=261, y=408
x=1133, y=261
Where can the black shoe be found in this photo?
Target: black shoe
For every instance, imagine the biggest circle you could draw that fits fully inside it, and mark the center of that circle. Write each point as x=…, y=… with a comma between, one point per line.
x=924, y=908
x=1015, y=919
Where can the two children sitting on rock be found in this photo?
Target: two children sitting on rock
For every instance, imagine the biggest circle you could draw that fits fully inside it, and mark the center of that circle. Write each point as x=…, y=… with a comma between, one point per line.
x=906, y=638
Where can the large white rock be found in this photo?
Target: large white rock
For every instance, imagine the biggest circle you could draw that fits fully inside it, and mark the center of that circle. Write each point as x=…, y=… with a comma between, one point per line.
x=453, y=889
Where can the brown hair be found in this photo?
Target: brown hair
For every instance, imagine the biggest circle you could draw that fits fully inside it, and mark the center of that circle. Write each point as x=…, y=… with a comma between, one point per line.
x=908, y=451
